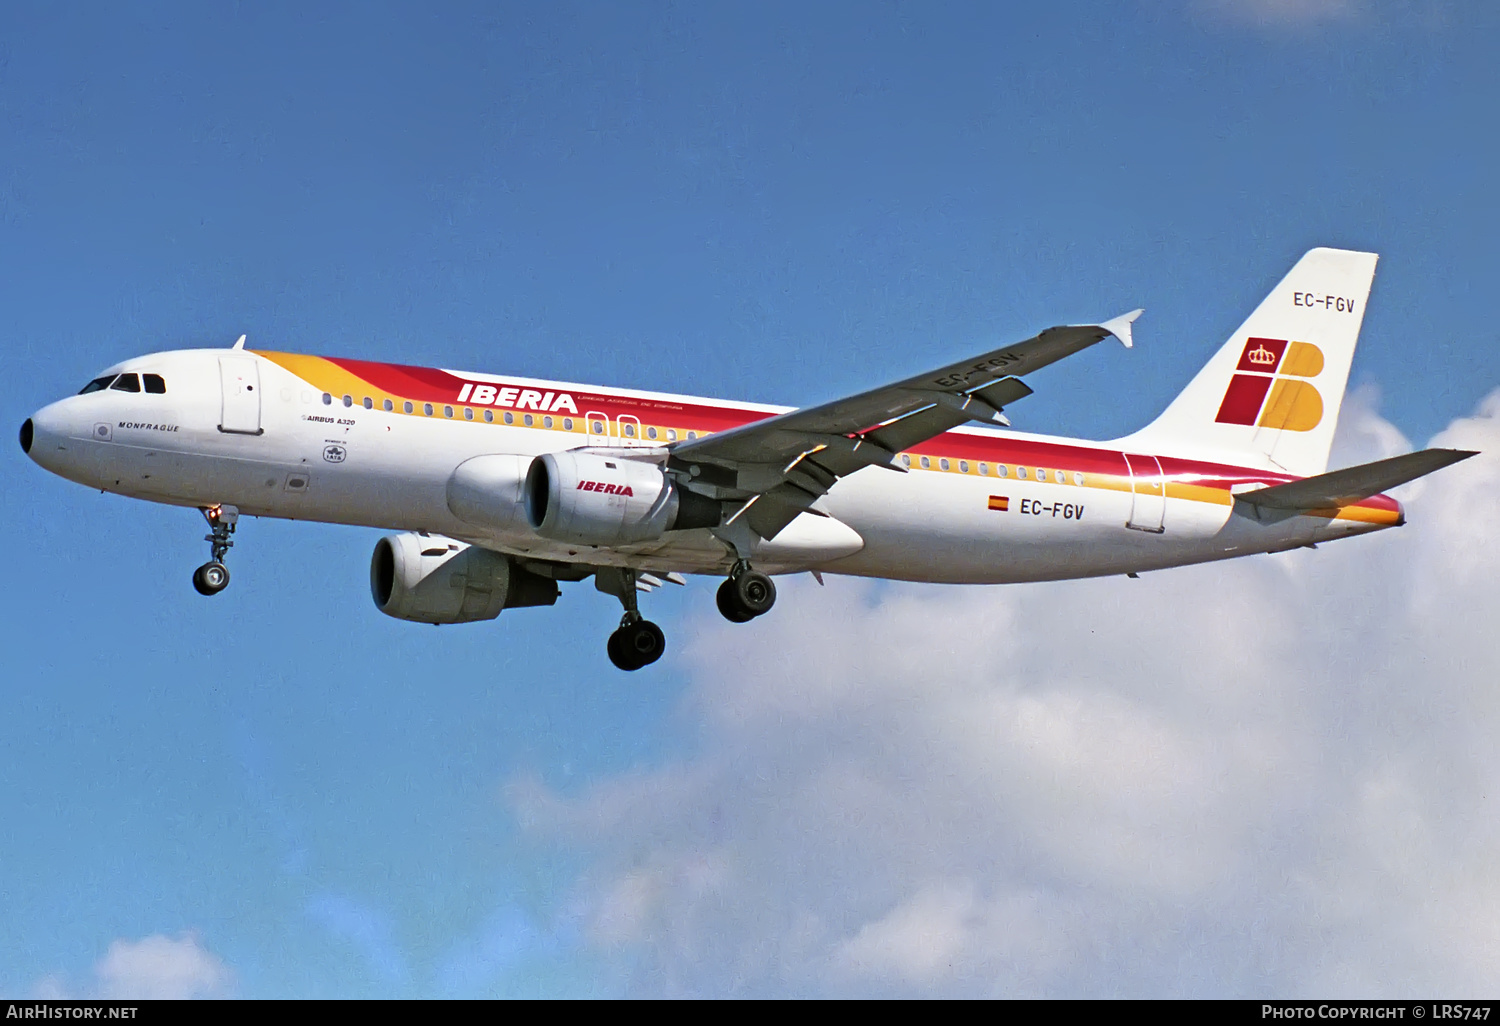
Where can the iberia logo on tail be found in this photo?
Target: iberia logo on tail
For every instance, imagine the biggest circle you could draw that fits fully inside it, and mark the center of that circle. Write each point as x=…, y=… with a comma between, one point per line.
x=1268, y=388
x=1262, y=356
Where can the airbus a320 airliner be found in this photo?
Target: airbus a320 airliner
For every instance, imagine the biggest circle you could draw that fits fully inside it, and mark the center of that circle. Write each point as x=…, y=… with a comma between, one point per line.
x=501, y=488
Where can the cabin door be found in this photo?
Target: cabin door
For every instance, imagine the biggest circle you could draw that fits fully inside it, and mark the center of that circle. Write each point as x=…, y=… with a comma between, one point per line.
x=239, y=376
x=1148, y=494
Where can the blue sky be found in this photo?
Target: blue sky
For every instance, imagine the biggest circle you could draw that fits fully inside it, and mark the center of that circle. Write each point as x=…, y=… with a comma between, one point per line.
x=780, y=203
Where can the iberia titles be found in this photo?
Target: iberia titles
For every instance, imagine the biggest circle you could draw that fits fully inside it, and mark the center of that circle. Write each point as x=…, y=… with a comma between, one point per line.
x=607, y=489
x=517, y=398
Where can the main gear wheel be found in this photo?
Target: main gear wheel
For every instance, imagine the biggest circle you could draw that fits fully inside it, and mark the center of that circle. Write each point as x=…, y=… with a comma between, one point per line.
x=745, y=595
x=636, y=643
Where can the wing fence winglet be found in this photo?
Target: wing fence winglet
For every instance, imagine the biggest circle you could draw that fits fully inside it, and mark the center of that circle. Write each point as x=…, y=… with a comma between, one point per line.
x=1120, y=327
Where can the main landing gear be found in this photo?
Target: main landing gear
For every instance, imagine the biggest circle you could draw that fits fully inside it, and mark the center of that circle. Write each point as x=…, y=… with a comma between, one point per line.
x=637, y=642
x=746, y=594
x=213, y=577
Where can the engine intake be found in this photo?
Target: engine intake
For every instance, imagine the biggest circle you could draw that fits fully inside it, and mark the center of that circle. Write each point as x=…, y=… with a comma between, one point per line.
x=432, y=579
x=605, y=500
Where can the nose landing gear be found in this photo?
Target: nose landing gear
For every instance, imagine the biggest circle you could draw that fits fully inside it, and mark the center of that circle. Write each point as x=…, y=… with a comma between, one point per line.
x=213, y=577
x=746, y=594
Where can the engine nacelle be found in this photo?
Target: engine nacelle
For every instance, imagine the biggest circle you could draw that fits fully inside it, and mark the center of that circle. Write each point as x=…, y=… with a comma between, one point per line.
x=605, y=500
x=432, y=579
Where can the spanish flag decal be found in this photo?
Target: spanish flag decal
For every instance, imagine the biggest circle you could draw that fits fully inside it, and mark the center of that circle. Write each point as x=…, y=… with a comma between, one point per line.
x=1000, y=502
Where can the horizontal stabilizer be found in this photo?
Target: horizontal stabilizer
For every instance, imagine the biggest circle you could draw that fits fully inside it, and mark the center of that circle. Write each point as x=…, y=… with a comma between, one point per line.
x=1348, y=486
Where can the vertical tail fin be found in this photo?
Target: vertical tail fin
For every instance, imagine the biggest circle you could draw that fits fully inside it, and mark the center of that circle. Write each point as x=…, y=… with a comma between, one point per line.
x=1271, y=395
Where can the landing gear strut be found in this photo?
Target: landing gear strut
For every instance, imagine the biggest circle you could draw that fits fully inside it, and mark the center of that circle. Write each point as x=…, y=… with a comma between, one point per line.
x=637, y=642
x=746, y=594
x=213, y=577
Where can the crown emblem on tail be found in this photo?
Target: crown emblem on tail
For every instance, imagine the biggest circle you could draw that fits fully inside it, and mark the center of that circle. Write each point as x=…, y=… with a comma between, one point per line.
x=1261, y=355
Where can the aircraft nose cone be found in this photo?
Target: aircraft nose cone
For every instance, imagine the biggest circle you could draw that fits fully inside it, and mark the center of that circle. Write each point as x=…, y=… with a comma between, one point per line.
x=45, y=438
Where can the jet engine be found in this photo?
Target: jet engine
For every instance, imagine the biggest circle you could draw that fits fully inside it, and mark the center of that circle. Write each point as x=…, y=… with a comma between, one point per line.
x=427, y=578
x=605, y=500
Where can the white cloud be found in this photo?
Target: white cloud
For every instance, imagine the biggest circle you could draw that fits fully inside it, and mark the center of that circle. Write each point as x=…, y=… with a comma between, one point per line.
x=921, y=939
x=152, y=968
x=1272, y=776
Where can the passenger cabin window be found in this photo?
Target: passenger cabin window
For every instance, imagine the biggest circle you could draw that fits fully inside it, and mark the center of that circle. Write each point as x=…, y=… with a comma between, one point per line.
x=127, y=383
x=154, y=383
x=97, y=385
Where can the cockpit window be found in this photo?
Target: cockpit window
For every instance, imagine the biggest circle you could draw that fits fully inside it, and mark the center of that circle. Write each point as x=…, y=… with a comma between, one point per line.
x=97, y=385
x=127, y=383
x=154, y=384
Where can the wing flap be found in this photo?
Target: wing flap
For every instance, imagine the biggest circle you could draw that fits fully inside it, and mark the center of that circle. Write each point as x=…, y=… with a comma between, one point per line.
x=917, y=427
x=769, y=512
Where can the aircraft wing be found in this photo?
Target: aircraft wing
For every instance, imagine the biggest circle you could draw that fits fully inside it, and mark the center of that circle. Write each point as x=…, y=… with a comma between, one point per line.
x=781, y=466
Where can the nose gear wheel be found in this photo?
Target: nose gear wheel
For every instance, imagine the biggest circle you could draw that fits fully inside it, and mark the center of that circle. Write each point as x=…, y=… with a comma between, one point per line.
x=213, y=577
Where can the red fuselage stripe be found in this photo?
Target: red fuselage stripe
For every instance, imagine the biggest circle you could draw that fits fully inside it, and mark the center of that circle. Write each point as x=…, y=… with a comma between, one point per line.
x=429, y=385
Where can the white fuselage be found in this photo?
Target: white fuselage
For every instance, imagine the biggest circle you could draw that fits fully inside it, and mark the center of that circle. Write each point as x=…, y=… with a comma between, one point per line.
x=292, y=453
